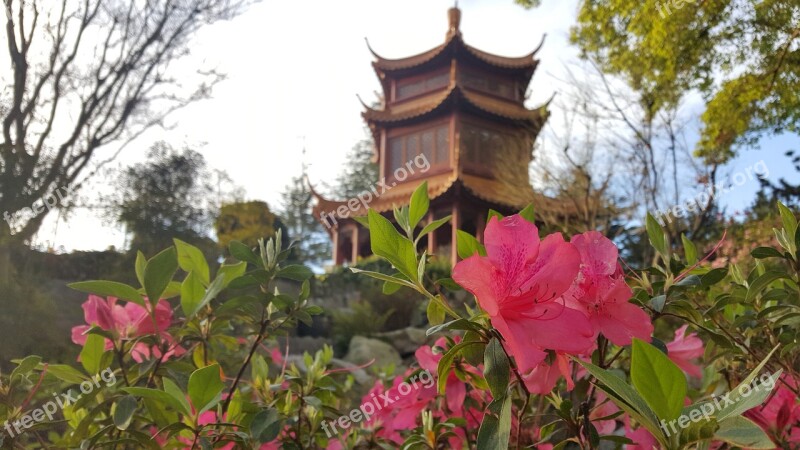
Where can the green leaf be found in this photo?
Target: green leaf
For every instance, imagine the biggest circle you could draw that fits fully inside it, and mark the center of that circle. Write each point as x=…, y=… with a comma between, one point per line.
x=401, y=217
x=528, y=214
x=742, y=432
x=192, y=291
x=657, y=302
x=657, y=235
x=418, y=206
x=173, y=290
x=496, y=427
x=496, y=368
x=363, y=220
x=435, y=312
x=66, y=373
x=714, y=276
x=205, y=388
x=788, y=219
x=627, y=399
x=231, y=272
x=446, y=363
x=474, y=354
x=295, y=272
x=191, y=259
x=141, y=263
x=109, y=289
x=432, y=226
x=468, y=245
x=390, y=288
x=701, y=430
x=123, y=412
x=458, y=324
x=25, y=366
x=92, y=353
x=158, y=273
x=493, y=213
x=157, y=395
x=384, y=277
x=689, y=250
x=659, y=381
x=266, y=425
x=244, y=253
x=766, y=252
x=387, y=242
x=763, y=282
x=177, y=394
x=755, y=397
x=211, y=293
x=731, y=410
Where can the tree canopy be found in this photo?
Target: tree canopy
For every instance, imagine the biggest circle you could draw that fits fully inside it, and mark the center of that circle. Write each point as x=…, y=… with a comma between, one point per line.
x=743, y=56
x=164, y=197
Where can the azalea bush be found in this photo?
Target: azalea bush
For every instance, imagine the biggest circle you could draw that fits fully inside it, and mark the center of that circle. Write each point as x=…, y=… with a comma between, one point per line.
x=559, y=345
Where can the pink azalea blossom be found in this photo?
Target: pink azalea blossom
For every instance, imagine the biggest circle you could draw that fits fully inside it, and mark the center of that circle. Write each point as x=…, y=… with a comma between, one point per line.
x=520, y=284
x=403, y=410
x=604, y=408
x=128, y=322
x=642, y=439
x=456, y=389
x=543, y=378
x=780, y=415
x=601, y=292
x=683, y=349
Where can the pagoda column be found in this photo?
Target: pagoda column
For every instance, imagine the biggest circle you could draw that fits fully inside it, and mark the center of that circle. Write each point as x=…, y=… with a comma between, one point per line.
x=355, y=245
x=336, y=259
x=480, y=226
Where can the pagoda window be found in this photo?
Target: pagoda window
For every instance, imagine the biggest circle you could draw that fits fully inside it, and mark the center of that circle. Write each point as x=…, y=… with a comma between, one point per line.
x=490, y=84
x=480, y=145
x=418, y=86
x=431, y=142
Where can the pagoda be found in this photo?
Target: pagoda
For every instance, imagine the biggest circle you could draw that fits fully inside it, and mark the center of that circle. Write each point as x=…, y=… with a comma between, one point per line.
x=453, y=116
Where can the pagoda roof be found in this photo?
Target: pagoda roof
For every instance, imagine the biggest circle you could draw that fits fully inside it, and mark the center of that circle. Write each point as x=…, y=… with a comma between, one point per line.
x=452, y=46
x=511, y=194
x=485, y=104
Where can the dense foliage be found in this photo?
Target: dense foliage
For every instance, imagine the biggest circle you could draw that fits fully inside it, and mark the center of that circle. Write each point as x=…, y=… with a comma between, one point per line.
x=562, y=348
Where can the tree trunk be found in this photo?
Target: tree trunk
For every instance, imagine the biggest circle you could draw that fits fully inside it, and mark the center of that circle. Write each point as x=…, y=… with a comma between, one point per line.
x=5, y=253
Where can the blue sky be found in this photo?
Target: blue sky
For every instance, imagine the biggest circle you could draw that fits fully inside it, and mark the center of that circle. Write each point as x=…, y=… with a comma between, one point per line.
x=294, y=70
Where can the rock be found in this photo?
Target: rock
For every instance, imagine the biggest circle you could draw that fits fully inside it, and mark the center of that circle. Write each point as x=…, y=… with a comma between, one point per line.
x=363, y=350
x=406, y=340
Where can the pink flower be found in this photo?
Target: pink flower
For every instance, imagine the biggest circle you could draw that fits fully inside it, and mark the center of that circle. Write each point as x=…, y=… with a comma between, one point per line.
x=520, y=284
x=126, y=323
x=780, y=415
x=603, y=408
x=397, y=408
x=601, y=292
x=456, y=389
x=684, y=348
x=642, y=439
x=543, y=378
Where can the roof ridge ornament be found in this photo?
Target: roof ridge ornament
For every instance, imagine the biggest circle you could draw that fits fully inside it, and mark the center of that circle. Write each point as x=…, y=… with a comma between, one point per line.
x=454, y=21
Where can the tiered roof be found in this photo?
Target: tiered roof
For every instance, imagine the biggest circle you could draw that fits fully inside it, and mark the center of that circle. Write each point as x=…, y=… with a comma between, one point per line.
x=475, y=102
